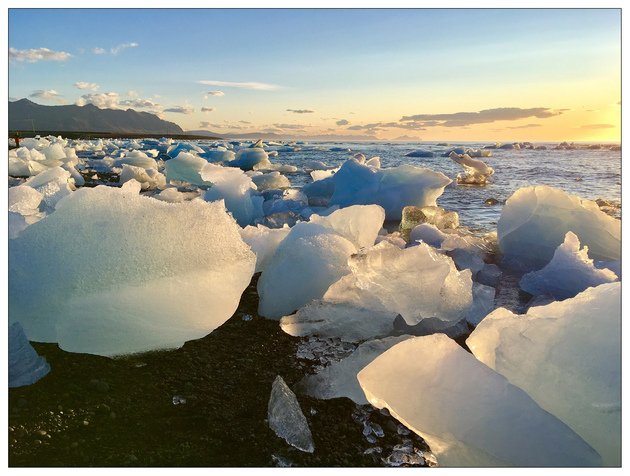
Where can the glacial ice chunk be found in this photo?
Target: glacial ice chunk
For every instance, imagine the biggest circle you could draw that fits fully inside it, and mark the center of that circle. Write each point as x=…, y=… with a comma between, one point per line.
x=567, y=356
x=476, y=172
x=263, y=241
x=54, y=184
x=186, y=167
x=359, y=224
x=218, y=155
x=137, y=158
x=272, y=180
x=339, y=379
x=468, y=414
x=248, y=158
x=569, y=272
x=24, y=200
x=148, y=178
x=113, y=272
x=305, y=264
x=535, y=220
x=25, y=366
x=286, y=418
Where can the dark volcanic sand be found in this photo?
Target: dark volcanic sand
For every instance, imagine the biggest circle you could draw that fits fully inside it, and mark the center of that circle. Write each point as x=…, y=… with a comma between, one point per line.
x=96, y=411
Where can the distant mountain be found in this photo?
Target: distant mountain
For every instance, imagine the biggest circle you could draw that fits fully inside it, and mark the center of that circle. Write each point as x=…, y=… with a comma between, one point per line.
x=25, y=115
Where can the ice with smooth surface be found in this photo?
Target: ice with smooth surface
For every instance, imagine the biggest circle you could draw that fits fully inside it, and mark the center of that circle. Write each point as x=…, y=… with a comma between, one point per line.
x=137, y=158
x=186, y=167
x=569, y=272
x=359, y=223
x=392, y=188
x=535, y=220
x=113, y=272
x=567, y=356
x=305, y=264
x=263, y=241
x=339, y=379
x=236, y=189
x=25, y=366
x=476, y=172
x=272, y=180
x=248, y=158
x=286, y=418
x=468, y=414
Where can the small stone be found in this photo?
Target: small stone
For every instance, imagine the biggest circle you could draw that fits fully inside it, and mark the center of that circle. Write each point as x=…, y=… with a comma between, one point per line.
x=378, y=430
x=179, y=400
x=86, y=423
x=371, y=439
x=112, y=415
x=41, y=432
x=491, y=201
x=247, y=317
x=373, y=450
x=401, y=430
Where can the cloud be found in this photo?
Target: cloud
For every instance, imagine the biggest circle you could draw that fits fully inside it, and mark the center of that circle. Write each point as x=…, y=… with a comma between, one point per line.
x=37, y=54
x=290, y=126
x=207, y=109
x=215, y=93
x=244, y=122
x=597, y=126
x=205, y=125
x=526, y=126
x=379, y=126
x=461, y=119
x=301, y=111
x=138, y=103
x=84, y=85
x=180, y=109
x=99, y=51
x=132, y=94
x=123, y=46
x=100, y=100
x=47, y=95
x=343, y=122
x=241, y=85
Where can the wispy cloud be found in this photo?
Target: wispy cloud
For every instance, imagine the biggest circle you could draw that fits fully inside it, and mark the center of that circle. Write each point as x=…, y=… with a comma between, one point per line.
x=241, y=85
x=301, y=111
x=597, y=126
x=526, y=126
x=207, y=109
x=215, y=93
x=84, y=85
x=99, y=51
x=100, y=100
x=37, y=54
x=47, y=95
x=342, y=122
x=460, y=119
x=205, y=125
x=180, y=109
x=138, y=103
x=290, y=126
x=123, y=46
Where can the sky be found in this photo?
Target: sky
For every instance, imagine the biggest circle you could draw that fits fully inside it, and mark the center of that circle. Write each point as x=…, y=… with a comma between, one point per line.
x=419, y=74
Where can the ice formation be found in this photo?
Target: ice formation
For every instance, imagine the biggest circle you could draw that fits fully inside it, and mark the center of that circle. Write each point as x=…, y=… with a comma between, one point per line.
x=286, y=419
x=54, y=184
x=468, y=414
x=236, y=189
x=339, y=379
x=148, y=178
x=171, y=195
x=359, y=224
x=113, y=272
x=567, y=356
x=420, y=153
x=220, y=154
x=433, y=215
x=535, y=220
x=249, y=158
x=263, y=241
x=186, y=167
x=305, y=264
x=569, y=272
x=417, y=283
x=137, y=158
x=476, y=172
x=272, y=180
x=392, y=188
x=25, y=366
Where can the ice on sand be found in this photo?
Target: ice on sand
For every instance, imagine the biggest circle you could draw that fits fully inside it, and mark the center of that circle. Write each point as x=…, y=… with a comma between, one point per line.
x=25, y=366
x=305, y=264
x=468, y=414
x=567, y=356
x=286, y=418
x=112, y=272
x=569, y=272
x=535, y=220
x=339, y=379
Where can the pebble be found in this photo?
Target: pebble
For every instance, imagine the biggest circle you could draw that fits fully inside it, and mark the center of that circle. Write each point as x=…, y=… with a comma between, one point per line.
x=86, y=423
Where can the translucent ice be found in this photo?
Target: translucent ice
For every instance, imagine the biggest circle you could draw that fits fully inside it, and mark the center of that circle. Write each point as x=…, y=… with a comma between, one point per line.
x=270, y=181
x=137, y=158
x=25, y=366
x=24, y=200
x=53, y=183
x=186, y=167
x=535, y=220
x=467, y=413
x=359, y=223
x=113, y=272
x=218, y=155
x=476, y=172
x=339, y=379
x=286, y=418
x=567, y=356
x=263, y=241
x=249, y=157
x=569, y=272
x=305, y=264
